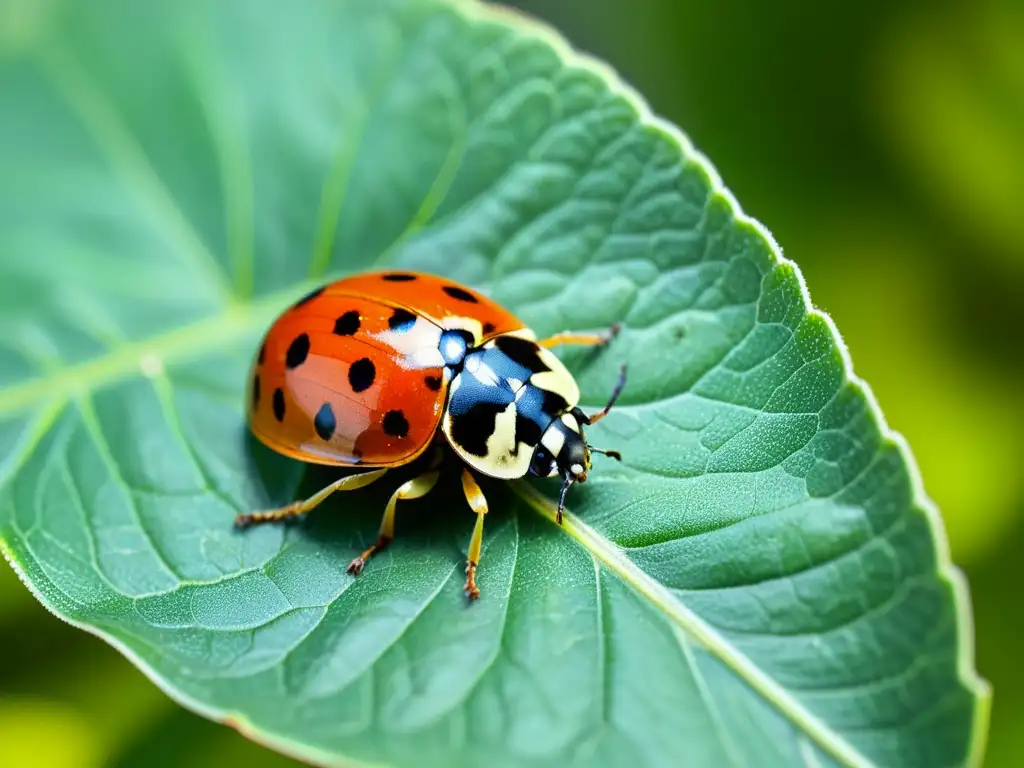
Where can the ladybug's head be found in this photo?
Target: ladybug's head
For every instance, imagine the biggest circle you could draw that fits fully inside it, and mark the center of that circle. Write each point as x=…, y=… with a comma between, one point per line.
x=563, y=450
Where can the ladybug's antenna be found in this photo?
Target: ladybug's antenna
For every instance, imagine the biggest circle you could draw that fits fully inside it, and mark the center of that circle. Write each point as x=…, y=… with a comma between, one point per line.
x=607, y=452
x=611, y=401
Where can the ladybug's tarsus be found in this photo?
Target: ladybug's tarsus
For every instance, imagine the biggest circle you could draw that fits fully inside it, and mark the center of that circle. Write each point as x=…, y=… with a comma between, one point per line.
x=471, y=589
x=356, y=565
x=245, y=519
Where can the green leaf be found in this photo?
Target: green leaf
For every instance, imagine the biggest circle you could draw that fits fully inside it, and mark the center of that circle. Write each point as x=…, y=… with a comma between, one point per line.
x=762, y=581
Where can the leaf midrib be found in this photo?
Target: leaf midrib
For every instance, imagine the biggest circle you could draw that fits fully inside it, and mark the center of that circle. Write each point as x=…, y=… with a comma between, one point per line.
x=147, y=356
x=696, y=628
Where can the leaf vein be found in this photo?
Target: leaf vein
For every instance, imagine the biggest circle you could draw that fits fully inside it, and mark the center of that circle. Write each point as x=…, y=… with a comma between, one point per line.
x=100, y=118
x=231, y=146
x=728, y=745
x=95, y=431
x=163, y=388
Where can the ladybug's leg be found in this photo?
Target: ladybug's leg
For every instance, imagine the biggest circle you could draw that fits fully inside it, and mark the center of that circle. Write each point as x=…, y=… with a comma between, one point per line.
x=586, y=339
x=296, y=508
x=478, y=503
x=413, y=489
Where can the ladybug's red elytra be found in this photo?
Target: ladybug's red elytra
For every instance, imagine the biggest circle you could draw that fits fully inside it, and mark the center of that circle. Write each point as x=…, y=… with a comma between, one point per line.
x=371, y=370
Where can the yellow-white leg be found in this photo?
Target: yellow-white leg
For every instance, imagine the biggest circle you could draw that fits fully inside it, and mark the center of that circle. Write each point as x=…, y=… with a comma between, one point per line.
x=584, y=339
x=413, y=489
x=478, y=503
x=296, y=508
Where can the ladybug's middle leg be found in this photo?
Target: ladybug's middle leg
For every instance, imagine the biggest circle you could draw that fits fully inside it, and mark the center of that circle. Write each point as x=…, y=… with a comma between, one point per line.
x=412, y=489
x=478, y=503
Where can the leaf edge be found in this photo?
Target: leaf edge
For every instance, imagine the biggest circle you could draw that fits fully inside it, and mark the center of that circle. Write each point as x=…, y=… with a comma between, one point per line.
x=946, y=569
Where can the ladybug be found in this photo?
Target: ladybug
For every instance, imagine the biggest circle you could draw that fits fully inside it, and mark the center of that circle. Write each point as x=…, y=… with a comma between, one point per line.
x=372, y=370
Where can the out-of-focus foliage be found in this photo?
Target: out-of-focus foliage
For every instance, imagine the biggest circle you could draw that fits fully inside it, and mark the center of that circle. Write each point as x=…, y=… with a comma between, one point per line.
x=885, y=151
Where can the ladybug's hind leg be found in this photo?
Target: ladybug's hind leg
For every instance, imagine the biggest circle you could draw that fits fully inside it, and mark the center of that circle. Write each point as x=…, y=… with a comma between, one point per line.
x=297, y=508
x=478, y=503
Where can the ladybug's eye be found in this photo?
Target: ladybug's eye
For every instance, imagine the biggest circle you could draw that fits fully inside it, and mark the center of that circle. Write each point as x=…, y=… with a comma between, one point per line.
x=542, y=463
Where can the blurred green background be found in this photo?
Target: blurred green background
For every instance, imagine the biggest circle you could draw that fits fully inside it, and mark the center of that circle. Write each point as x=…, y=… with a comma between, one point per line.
x=883, y=145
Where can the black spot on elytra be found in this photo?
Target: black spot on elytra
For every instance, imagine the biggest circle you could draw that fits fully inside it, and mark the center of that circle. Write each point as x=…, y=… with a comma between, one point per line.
x=488, y=328
x=395, y=424
x=279, y=404
x=297, y=351
x=255, y=392
x=460, y=293
x=522, y=351
x=361, y=374
x=263, y=353
x=433, y=382
x=398, y=277
x=471, y=429
x=402, y=320
x=308, y=297
x=347, y=324
x=324, y=422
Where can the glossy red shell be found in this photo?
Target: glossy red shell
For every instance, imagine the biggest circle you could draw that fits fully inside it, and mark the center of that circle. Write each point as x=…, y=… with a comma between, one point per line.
x=351, y=374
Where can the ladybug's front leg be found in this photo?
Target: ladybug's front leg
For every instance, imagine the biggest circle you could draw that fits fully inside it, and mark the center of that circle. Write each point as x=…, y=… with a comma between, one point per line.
x=478, y=503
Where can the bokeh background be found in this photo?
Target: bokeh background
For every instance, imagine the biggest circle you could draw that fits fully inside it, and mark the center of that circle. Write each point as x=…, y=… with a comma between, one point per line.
x=883, y=144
